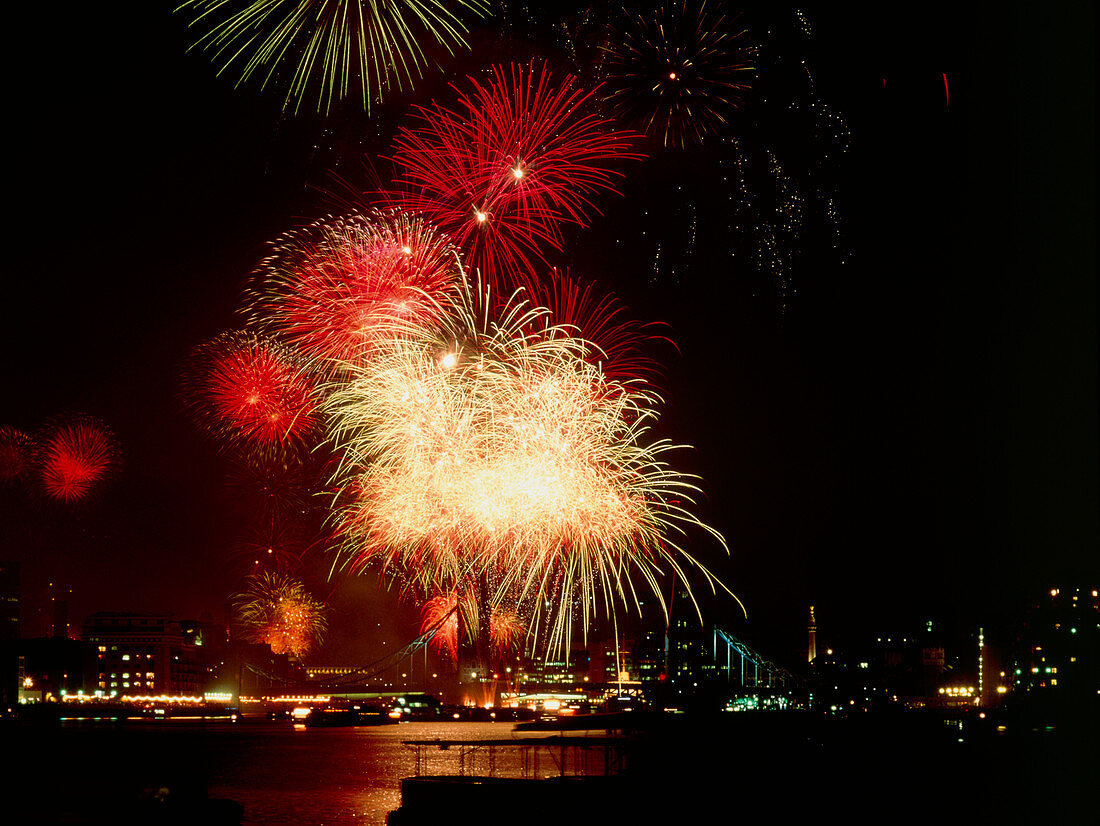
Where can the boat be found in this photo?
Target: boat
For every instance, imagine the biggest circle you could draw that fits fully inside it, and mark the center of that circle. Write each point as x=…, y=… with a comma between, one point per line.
x=351, y=715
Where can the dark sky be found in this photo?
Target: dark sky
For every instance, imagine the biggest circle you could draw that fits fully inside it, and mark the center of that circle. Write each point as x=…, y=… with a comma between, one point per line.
x=914, y=434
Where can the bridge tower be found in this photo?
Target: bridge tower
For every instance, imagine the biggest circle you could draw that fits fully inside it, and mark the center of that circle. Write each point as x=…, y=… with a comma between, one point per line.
x=811, y=651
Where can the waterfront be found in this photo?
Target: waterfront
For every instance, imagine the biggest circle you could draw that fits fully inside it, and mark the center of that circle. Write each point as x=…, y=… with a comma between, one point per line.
x=94, y=773
x=278, y=773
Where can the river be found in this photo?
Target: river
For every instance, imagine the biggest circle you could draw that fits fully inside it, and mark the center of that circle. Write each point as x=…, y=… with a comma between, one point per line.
x=762, y=766
x=280, y=774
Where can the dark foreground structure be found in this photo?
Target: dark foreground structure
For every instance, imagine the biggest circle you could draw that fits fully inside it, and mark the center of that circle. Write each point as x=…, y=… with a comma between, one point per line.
x=904, y=767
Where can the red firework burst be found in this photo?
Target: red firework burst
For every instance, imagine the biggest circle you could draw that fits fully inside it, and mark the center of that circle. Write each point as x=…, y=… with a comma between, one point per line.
x=441, y=616
x=251, y=391
x=16, y=454
x=601, y=319
x=501, y=174
x=76, y=454
x=332, y=287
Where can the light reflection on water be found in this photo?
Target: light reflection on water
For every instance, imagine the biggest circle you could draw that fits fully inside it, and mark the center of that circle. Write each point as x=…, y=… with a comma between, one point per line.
x=279, y=774
x=343, y=775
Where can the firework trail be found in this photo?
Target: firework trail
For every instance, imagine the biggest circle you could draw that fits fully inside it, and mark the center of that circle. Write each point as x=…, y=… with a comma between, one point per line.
x=76, y=454
x=517, y=160
x=324, y=51
x=678, y=73
x=16, y=454
x=279, y=610
x=333, y=287
x=493, y=450
x=252, y=393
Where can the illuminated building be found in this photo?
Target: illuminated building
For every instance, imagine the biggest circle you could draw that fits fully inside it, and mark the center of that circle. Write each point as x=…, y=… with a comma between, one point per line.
x=898, y=667
x=650, y=657
x=690, y=663
x=143, y=654
x=1057, y=645
x=9, y=600
x=570, y=672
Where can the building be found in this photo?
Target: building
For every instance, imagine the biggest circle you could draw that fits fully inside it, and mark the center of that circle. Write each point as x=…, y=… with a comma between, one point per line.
x=143, y=655
x=563, y=672
x=1056, y=652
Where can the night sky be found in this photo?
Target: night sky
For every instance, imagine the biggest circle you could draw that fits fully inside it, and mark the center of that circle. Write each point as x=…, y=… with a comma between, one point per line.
x=909, y=430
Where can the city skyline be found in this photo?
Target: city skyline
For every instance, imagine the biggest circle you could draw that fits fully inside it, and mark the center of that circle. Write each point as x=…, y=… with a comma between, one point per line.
x=913, y=432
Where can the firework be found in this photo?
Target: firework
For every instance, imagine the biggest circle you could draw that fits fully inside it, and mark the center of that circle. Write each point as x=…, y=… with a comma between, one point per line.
x=76, y=454
x=16, y=454
x=440, y=617
x=252, y=392
x=504, y=172
x=274, y=487
x=505, y=630
x=680, y=72
x=274, y=546
x=601, y=320
x=333, y=287
x=323, y=51
x=494, y=450
x=278, y=610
